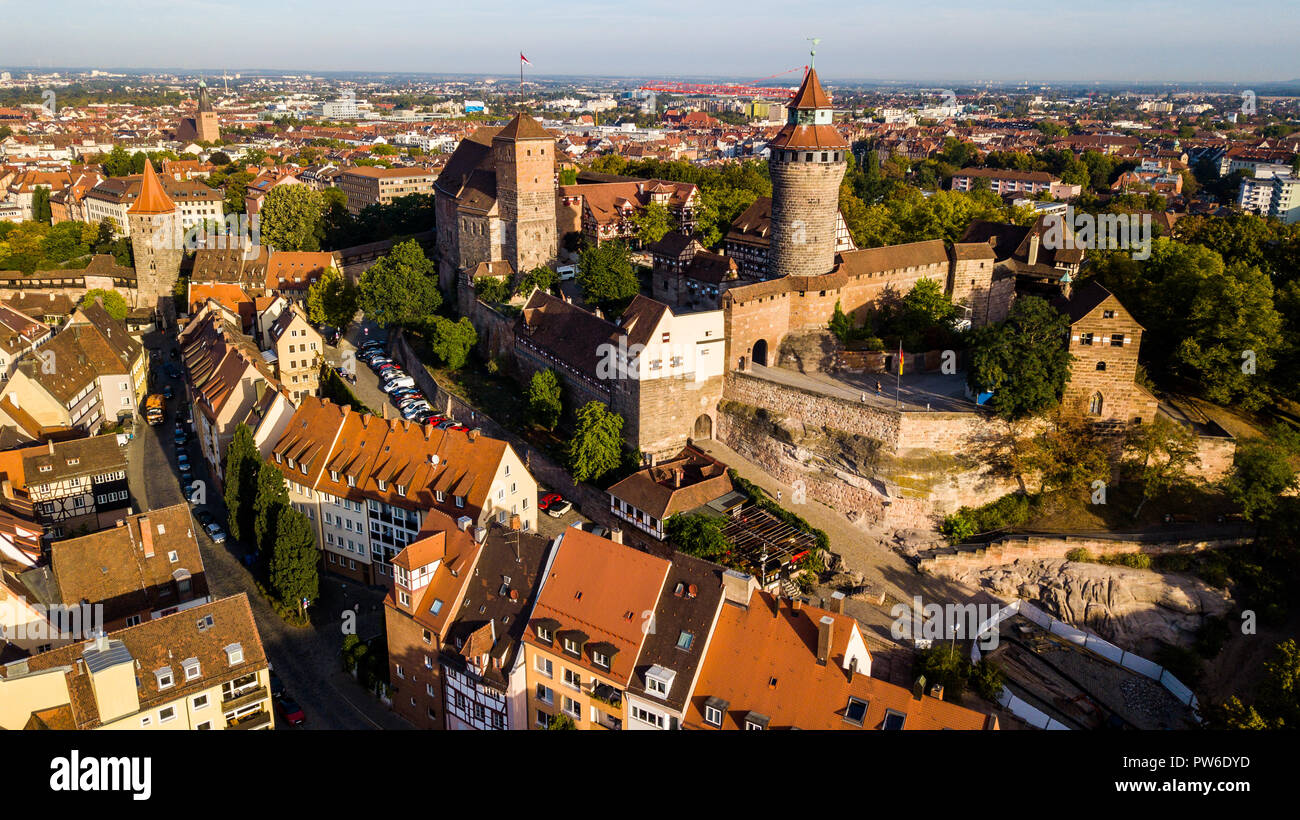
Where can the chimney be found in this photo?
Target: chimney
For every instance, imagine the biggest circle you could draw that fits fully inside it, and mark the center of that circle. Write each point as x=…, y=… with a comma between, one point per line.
x=474, y=434
x=146, y=536
x=737, y=586
x=1033, y=248
x=796, y=604
x=51, y=446
x=837, y=602
x=463, y=523
x=936, y=691
x=515, y=523
x=480, y=533
x=616, y=535
x=825, y=632
x=677, y=478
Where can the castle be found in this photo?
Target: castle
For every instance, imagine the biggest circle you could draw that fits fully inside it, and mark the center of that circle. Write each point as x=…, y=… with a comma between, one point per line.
x=155, y=242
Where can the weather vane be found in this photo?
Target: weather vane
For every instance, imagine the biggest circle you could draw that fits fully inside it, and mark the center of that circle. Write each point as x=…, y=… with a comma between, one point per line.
x=812, y=52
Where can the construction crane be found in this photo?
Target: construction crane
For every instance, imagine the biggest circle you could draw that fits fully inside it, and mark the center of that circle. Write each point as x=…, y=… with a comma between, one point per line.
x=727, y=89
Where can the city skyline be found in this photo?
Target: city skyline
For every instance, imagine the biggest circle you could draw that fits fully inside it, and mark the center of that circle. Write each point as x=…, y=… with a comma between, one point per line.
x=1106, y=42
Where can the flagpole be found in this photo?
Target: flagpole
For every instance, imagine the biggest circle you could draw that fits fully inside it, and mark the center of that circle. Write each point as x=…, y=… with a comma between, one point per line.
x=898, y=377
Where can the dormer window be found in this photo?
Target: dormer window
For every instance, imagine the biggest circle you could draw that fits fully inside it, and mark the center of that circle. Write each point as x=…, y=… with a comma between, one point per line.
x=401, y=490
x=383, y=485
x=460, y=501
x=659, y=680
x=234, y=654
x=279, y=458
x=352, y=481
x=441, y=496
x=164, y=676
x=192, y=669
x=544, y=634
x=600, y=659
x=292, y=464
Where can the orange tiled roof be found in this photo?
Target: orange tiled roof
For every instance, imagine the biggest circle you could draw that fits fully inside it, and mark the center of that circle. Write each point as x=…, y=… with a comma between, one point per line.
x=153, y=199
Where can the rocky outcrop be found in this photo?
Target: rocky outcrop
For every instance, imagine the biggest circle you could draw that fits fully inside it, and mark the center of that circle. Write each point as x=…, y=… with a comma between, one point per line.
x=1132, y=608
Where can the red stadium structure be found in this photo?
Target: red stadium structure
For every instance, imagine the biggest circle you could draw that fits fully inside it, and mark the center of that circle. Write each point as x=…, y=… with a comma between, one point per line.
x=726, y=89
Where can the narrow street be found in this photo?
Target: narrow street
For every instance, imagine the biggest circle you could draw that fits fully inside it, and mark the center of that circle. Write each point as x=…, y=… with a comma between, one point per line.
x=305, y=659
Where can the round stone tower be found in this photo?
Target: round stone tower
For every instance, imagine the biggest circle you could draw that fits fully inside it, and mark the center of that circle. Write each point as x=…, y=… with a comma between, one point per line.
x=807, y=160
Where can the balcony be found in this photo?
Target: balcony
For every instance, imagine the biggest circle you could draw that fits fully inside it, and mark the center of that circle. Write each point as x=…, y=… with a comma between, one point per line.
x=607, y=722
x=256, y=720
x=243, y=698
x=607, y=695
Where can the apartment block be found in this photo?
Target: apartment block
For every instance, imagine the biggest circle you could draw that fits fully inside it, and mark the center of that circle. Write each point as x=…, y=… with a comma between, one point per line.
x=366, y=185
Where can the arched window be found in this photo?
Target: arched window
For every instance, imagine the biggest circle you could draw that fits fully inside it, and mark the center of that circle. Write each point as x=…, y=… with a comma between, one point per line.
x=1094, y=406
x=1101, y=365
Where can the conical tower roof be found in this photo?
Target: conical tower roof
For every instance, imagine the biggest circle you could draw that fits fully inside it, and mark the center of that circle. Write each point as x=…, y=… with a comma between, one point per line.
x=152, y=199
x=205, y=103
x=810, y=94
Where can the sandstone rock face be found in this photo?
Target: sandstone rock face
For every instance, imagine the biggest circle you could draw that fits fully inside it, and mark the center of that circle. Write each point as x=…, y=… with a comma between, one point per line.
x=1131, y=608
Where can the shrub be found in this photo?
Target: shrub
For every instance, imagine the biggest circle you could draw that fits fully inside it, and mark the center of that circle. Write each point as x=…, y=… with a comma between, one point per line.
x=987, y=680
x=1079, y=555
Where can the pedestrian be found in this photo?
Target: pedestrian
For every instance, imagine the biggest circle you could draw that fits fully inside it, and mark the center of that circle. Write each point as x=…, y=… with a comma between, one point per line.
x=778, y=496
x=877, y=387
x=864, y=397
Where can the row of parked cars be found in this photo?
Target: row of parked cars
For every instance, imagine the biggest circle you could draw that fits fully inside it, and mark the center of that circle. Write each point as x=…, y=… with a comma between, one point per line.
x=401, y=389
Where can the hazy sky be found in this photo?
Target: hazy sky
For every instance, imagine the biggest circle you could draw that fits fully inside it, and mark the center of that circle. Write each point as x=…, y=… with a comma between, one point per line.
x=1001, y=40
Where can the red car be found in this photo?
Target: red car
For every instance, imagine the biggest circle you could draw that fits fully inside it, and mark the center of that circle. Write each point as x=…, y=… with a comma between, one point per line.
x=291, y=711
x=548, y=499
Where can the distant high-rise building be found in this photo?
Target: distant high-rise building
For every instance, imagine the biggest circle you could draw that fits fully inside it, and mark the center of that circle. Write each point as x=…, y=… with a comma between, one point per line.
x=807, y=160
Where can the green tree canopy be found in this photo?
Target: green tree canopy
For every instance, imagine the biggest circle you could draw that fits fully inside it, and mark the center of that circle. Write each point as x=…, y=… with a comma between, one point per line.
x=114, y=302
x=1261, y=471
x=401, y=288
x=607, y=276
x=292, y=218
x=545, y=402
x=294, y=573
x=652, y=222
x=698, y=535
x=272, y=498
x=1024, y=360
x=452, y=341
x=597, y=442
x=332, y=299
x=243, y=462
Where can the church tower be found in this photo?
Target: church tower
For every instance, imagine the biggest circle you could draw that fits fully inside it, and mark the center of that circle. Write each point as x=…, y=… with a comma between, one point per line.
x=206, y=122
x=524, y=156
x=156, y=240
x=807, y=160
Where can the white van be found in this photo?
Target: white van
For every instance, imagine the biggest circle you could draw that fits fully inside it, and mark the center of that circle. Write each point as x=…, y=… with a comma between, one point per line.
x=567, y=272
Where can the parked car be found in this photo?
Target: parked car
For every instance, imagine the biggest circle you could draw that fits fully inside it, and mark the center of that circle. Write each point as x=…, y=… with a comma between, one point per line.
x=401, y=381
x=183, y=458
x=192, y=489
x=555, y=505
x=168, y=392
x=446, y=424
x=277, y=686
x=290, y=710
x=205, y=518
x=413, y=411
x=215, y=532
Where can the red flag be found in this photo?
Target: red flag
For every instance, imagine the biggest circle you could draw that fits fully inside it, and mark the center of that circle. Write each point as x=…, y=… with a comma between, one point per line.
x=524, y=59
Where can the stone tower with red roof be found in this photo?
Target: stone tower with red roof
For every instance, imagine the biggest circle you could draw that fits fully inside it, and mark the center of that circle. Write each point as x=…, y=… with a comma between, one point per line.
x=524, y=154
x=156, y=241
x=807, y=160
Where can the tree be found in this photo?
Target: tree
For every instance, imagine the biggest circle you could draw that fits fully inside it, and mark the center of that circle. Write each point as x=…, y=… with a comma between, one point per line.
x=219, y=158
x=841, y=325
x=698, y=535
x=294, y=574
x=1068, y=456
x=332, y=299
x=1159, y=456
x=1260, y=473
x=597, y=442
x=114, y=302
x=292, y=218
x=271, y=500
x=242, y=465
x=1277, y=705
x=1024, y=360
x=452, y=341
x=943, y=664
x=401, y=288
x=492, y=289
x=41, y=204
x=545, y=402
x=652, y=222
x=607, y=276
x=543, y=278
x=561, y=722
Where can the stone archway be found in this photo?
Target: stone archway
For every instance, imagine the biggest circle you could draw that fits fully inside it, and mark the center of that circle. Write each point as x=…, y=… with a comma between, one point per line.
x=760, y=352
x=703, y=428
